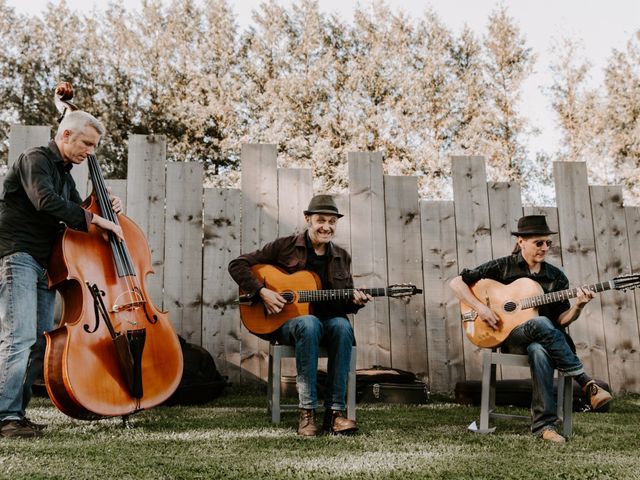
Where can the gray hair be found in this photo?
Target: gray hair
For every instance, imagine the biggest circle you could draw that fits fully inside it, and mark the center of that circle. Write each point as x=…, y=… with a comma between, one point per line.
x=77, y=121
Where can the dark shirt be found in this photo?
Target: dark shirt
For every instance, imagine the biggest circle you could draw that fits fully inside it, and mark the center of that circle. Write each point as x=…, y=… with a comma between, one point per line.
x=39, y=194
x=291, y=254
x=317, y=263
x=507, y=269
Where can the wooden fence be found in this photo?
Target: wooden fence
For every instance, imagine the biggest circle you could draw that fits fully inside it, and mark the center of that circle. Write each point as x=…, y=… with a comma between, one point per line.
x=393, y=236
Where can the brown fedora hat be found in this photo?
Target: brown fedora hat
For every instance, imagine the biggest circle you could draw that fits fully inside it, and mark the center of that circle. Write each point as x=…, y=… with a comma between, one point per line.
x=323, y=204
x=532, y=225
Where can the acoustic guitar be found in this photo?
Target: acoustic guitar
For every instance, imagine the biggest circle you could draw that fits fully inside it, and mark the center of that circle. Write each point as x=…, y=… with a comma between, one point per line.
x=518, y=302
x=299, y=289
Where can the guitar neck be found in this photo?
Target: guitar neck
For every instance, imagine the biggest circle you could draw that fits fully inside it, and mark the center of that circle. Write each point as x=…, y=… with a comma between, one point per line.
x=305, y=296
x=561, y=295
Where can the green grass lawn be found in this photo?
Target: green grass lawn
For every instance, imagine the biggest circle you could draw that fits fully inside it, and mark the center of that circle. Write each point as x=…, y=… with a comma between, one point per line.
x=233, y=438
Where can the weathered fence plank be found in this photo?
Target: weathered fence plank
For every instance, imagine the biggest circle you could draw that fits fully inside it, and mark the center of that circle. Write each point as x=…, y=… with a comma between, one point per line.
x=444, y=327
x=259, y=226
x=146, y=200
x=295, y=189
x=369, y=255
x=404, y=252
x=183, y=249
x=22, y=137
x=473, y=231
x=220, y=313
x=579, y=257
x=343, y=232
x=618, y=308
x=632, y=215
x=505, y=208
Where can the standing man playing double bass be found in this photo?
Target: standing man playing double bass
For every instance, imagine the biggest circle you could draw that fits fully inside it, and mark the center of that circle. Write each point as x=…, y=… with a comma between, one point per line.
x=39, y=199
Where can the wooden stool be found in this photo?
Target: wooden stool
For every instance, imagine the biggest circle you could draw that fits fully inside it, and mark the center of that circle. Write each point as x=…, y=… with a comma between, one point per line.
x=488, y=396
x=276, y=354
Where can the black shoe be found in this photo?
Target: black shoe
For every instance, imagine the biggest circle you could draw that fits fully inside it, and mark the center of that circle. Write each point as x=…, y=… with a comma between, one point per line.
x=36, y=426
x=18, y=429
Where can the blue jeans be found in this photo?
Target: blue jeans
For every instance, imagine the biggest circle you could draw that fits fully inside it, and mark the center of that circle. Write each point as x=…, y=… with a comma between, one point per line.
x=26, y=312
x=306, y=334
x=548, y=349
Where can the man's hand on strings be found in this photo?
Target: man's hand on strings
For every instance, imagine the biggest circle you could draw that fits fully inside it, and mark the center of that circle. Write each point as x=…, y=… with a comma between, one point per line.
x=116, y=202
x=108, y=225
x=488, y=316
x=273, y=301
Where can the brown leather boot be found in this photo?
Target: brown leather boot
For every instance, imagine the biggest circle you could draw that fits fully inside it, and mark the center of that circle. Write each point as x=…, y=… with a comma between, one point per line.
x=307, y=423
x=336, y=422
x=598, y=396
x=550, y=435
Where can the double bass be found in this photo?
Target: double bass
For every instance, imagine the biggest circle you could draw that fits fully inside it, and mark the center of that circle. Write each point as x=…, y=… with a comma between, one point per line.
x=114, y=352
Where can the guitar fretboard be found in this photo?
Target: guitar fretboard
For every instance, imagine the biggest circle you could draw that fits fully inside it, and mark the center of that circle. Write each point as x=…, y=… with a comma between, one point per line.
x=553, y=297
x=305, y=296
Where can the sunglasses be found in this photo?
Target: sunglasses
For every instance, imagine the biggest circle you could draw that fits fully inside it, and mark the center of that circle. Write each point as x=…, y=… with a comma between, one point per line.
x=540, y=243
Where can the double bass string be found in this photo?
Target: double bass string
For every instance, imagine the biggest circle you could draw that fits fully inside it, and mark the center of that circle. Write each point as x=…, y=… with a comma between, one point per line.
x=124, y=265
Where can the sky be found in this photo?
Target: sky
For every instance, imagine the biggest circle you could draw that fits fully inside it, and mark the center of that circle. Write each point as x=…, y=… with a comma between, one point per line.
x=599, y=25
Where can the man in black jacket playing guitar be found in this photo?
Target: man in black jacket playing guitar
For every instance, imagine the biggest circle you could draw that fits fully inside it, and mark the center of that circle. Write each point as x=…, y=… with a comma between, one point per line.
x=328, y=326
x=543, y=337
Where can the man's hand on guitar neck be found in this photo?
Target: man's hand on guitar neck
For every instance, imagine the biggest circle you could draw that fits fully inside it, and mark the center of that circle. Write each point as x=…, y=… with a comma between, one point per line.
x=361, y=298
x=569, y=316
x=584, y=296
x=273, y=301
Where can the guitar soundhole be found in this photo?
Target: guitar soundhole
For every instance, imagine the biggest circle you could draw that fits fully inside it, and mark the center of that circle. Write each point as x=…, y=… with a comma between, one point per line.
x=288, y=296
x=510, y=307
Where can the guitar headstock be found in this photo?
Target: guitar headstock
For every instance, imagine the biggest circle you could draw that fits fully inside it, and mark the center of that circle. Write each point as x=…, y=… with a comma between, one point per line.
x=402, y=290
x=626, y=282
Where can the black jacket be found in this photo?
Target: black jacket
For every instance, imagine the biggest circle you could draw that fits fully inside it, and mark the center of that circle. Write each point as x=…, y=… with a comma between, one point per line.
x=39, y=194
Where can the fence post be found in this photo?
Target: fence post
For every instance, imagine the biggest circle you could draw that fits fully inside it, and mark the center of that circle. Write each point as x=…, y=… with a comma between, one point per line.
x=579, y=260
x=369, y=255
x=183, y=249
x=473, y=231
x=221, y=244
x=259, y=226
x=146, y=194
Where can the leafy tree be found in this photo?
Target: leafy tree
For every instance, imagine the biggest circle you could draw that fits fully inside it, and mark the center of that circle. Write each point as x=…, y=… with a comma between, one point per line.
x=508, y=64
x=622, y=114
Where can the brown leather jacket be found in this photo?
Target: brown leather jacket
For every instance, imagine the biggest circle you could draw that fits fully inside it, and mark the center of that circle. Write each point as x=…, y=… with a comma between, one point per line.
x=290, y=254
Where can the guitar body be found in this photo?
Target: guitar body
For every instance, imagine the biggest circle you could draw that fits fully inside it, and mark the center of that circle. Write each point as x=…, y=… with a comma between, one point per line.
x=254, y=316
x=504, y=300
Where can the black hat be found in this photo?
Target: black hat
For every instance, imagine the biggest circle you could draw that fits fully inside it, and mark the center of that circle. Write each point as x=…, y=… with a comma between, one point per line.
x=532, y=225
x=323, y=204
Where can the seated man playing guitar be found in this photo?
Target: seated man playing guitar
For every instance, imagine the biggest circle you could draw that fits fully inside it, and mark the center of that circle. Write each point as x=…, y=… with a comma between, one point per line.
x=311, y=250
x=543, y=337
